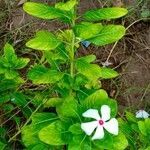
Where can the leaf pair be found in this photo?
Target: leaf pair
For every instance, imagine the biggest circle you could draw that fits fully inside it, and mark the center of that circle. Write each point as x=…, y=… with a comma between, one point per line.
x=61, y=10
x=98, y=34
x=9, y=63
x=93, y=71
x=30, y=132
x=42, y=75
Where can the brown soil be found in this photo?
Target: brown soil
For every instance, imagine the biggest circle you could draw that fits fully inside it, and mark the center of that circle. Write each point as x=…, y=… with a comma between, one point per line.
x=131, y=56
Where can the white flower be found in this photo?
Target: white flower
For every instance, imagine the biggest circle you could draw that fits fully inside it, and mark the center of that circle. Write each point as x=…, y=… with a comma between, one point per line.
x=142, y=114
x=102, y=122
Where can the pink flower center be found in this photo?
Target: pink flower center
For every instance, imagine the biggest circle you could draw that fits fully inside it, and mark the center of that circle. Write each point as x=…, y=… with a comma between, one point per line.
x=101, y=122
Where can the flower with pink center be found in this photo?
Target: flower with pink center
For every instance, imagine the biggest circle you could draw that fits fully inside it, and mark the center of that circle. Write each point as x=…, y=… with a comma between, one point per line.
x=101, y=122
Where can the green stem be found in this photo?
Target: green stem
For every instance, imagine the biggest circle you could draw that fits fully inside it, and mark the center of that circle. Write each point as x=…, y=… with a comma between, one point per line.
x=72, y=59
x=72, y=52
x=72, y=69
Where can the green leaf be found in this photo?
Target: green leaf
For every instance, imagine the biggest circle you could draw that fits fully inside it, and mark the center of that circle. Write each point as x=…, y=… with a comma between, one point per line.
x=52, y=134
x=41, y=10
x=3, y=132
x=69, y=5
x=88, y=58
x=42, y=75
x=109, y=34
x=125, y=127
x=91, y=71
x=68, y=109
x=9, y=63
x=9, y=52
x=147, y=124
x=8, y=85
x=2, y=145
x=108, y=73
x=148, y=148
x=97, y=99
x=80, y=142
x=131, y=117
x=144, y=127
x=96, y=84
x=21, y=63
x=110, y=142
x=43, y=40
x=66, y=36
x=40, y=146
x=11, y=74
x=53, y=102
x=105, y=14
x=76, y=129
x=87, y=30
x=57, y=55
x=39, y=121
x=10, y=59
x=19, y=99
x=128, y=131
x=46, y=12
x=120, y=142
x=105, y=143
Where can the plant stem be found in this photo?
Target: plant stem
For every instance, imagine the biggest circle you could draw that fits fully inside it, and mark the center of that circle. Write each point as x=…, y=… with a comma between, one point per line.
x=72, y=59
x=72, y=52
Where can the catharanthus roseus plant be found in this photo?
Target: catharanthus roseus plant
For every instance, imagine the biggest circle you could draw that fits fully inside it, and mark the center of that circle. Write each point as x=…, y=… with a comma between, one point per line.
x=75, y=80
x=72, y=111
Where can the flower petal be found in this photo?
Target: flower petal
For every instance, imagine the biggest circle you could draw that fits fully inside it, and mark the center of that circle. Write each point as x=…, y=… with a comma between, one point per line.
x=112, y=126
x=142, y=114
x=89, y=127
x=91, y=113
x=99, y=134
x=105, y=112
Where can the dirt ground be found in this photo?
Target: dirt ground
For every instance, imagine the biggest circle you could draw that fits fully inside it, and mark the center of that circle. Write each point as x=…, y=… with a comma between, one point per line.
x=130, y=57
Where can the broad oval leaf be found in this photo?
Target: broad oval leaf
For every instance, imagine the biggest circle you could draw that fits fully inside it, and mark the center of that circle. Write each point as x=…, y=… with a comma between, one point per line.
x=91, y=71
x=11, y=60
x=108, y=73
x=21, y=63
x=39, y=121
x=41, y=10
x=9, y=63
x=88, y=58
x=109, y=34
x=53, y=102
x=46, y=12
x=105, y=14
x=86, y=30
x=97, y=99
x=80, y=142
x=144, y=127
x=120, y=142
x=52, y=134
x=105, y=143
x=76, y=129
x=42, y=75
x=66, y=6
x=9, y=52
x=43, y=40
x=68, y=109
